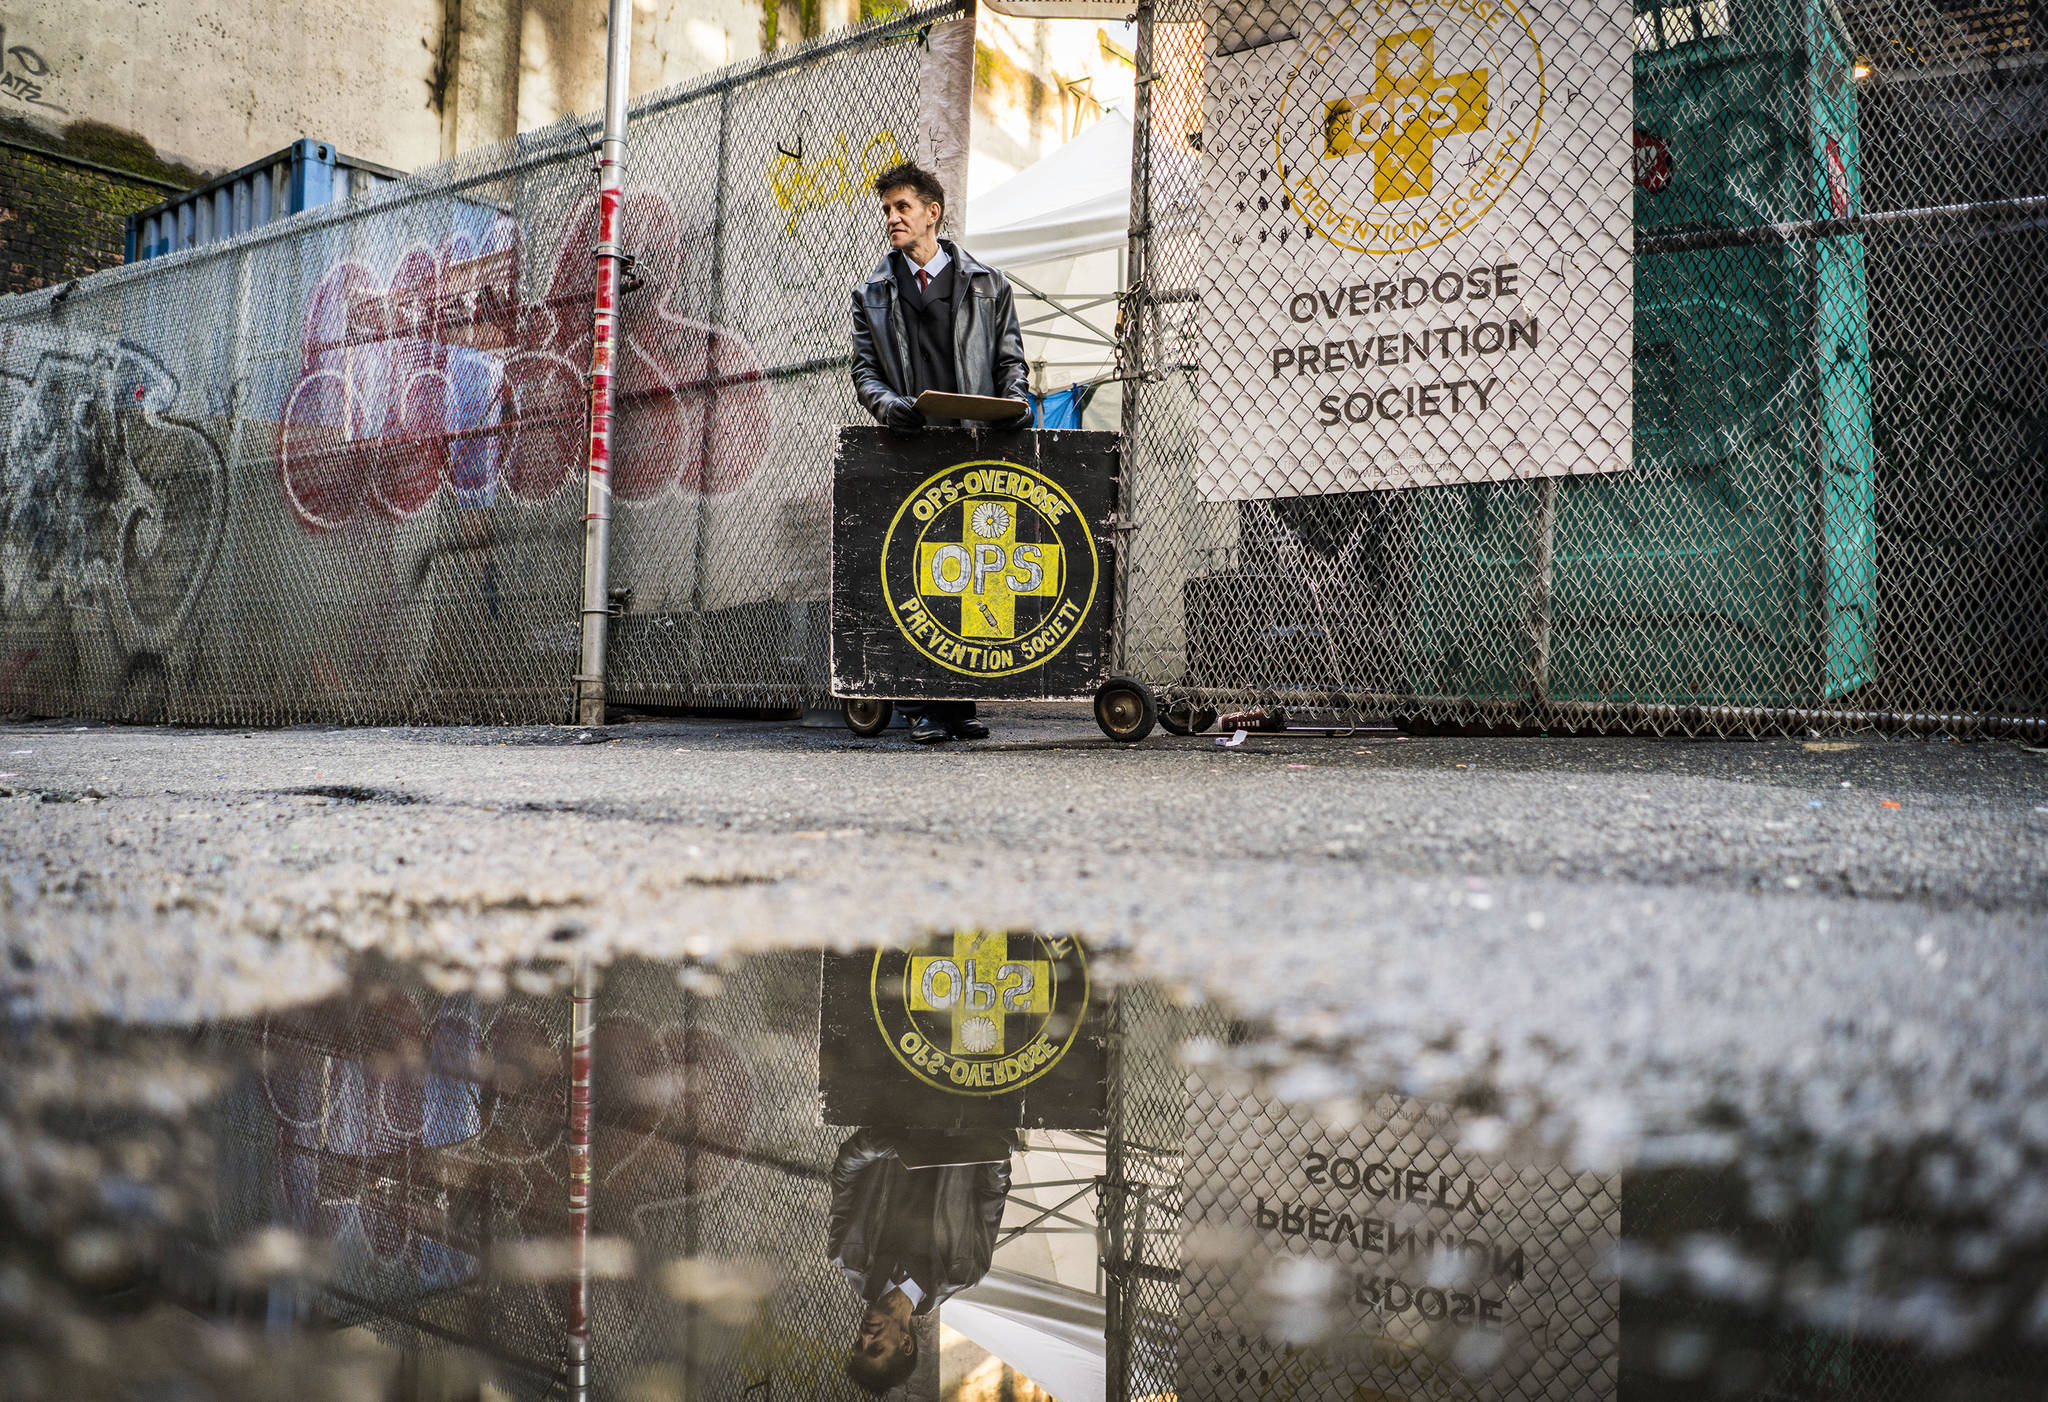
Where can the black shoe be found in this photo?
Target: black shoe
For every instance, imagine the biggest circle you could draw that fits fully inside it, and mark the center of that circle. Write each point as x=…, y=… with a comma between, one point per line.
x=967, y=728
x=926, y=731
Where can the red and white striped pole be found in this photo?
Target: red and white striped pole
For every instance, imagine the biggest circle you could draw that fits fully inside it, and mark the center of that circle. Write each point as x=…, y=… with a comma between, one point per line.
x=604, y=324
x=577, y=1368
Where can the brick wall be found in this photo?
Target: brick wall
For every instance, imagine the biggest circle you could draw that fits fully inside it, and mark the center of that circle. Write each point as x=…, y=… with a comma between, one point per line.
x=60, y=219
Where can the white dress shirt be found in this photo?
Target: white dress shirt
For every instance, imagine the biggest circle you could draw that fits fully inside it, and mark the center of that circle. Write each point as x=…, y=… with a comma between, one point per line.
x=935, y=267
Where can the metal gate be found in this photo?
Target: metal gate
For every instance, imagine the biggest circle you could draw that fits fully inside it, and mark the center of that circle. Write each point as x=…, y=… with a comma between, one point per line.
x=1836, y=514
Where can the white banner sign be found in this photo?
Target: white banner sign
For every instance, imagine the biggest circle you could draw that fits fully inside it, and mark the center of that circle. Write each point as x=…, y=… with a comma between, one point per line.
x=1417, y=218
x=1385, y=1264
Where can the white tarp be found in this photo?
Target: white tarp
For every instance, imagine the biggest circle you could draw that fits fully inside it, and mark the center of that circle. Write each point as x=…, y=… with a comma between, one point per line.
x=946, y=79
x=1050, y=1333
x=1075, y=201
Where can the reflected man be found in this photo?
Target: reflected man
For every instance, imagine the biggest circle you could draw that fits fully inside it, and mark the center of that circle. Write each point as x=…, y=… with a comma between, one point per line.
x=913, y=1223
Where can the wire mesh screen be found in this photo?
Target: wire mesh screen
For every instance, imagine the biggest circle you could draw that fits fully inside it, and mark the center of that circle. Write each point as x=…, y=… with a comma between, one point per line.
x=1271, y=1232
x=1259, y=1252
x=1672, y=368
x=418, y=1140
x=325, y=471
x=724, y=555
x=331, y=469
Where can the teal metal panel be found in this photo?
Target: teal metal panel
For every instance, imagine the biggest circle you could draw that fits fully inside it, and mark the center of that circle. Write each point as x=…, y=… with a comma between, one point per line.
x=1842, y=353
x=1735, y=562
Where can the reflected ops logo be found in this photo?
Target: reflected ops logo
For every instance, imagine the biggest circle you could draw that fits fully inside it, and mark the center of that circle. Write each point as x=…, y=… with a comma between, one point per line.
x=1390, y=141
x=981, y=1014
x=989, y=569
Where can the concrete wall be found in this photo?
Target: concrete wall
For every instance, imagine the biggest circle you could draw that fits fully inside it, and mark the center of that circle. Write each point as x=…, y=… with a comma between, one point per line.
x=215, y=84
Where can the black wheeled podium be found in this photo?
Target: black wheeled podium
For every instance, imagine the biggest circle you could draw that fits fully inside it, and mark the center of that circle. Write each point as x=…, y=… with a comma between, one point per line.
x=972, y=563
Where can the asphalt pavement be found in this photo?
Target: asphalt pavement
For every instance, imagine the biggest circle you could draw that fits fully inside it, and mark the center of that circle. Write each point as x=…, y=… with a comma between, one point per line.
x=1605, y=938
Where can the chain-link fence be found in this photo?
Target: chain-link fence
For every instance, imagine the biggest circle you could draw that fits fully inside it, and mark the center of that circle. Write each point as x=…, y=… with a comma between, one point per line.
x=1255, y=1251
x=417, y=1141
x=1267, y=1235
x=1437, y=409
x=1443, y=411
x=331, y=469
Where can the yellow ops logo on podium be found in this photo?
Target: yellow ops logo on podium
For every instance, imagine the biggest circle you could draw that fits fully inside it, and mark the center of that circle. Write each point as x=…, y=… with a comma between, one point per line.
x=989, y=569
x=981, y=1014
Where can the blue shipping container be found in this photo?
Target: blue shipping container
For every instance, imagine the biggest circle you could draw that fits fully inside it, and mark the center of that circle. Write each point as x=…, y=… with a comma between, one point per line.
x=304, y=175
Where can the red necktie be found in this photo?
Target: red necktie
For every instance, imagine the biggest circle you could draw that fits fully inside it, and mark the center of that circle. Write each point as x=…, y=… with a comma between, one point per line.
x=924, y=280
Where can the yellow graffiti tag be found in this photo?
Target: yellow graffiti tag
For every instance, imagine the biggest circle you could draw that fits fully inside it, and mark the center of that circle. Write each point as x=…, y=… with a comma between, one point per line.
x=835, y=178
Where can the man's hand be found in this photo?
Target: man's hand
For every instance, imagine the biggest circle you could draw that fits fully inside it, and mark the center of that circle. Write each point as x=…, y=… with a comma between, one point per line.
x=903, y=416
x=1022, y=420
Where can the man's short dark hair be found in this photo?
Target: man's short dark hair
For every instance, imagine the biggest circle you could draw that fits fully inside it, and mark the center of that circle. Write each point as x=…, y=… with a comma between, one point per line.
x=876, y=1376
x=916, y=177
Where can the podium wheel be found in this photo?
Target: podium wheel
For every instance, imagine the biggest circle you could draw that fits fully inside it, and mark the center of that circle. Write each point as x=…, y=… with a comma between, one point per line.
x=868, y=718
x=1125, y=710
x=1186, y=718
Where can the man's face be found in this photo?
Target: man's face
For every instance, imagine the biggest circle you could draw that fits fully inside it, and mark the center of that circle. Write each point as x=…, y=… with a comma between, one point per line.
x=910, y=220
x=883, y=1333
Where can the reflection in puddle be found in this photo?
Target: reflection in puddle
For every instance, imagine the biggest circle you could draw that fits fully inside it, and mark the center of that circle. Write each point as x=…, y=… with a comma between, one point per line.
x=975, y=1170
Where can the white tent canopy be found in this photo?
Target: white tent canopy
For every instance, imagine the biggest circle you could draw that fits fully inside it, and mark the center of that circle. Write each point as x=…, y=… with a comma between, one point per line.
x=1050, y=1333
x=1075, y=201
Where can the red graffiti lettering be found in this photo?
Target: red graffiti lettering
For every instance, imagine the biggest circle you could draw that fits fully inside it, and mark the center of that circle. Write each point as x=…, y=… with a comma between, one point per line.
x=441, y=378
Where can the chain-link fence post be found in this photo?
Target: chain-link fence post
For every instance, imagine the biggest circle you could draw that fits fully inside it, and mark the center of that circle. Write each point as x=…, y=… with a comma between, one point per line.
x=1132, y=351
x=611, y=258
x=715, y=311
x=581, y=1050
x=1109, y=1208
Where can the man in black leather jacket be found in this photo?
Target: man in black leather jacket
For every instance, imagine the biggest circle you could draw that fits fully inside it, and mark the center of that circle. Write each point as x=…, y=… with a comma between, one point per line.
x=932, y=316
x=909, y=1238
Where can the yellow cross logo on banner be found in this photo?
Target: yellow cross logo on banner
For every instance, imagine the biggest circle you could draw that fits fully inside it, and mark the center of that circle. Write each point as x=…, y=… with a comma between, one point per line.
x=979, y=985
x=1399, y=121
x=987, y=570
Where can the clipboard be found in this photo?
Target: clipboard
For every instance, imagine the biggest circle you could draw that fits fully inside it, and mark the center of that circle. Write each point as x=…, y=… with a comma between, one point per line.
x=951, y=1148
x=976, y=408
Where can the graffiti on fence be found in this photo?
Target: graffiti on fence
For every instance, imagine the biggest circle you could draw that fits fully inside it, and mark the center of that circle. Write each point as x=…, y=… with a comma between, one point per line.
x=838, y=177
x=365, y=1091
x=439, y=377
x=390, y=1109
x=109, y=501
x=1938, y=421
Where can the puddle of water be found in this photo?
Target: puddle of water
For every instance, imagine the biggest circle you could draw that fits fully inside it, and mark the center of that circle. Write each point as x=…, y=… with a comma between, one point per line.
x=668, y=1181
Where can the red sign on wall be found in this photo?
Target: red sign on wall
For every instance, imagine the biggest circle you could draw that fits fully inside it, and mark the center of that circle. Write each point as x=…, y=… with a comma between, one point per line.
x=1838, y=181
x=1652, y=162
